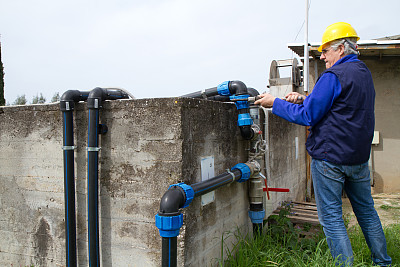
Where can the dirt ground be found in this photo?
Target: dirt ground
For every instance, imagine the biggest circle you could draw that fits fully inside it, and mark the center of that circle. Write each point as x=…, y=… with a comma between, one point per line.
x=387, y=206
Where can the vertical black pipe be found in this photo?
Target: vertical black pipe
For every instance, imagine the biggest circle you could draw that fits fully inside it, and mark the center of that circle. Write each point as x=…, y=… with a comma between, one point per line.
x=169, y=252
x=257, y=229
x=94, y=103
x=67, y=105
x=93, y=191
x=69, y=188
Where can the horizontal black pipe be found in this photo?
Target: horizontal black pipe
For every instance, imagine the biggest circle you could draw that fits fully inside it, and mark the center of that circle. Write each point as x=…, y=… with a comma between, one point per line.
x=209, y=185
x=235, y=88
x=203, y=94
x=222, y=98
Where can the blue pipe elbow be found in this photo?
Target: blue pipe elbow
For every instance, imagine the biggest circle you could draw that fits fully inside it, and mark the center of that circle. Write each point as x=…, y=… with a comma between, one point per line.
x=189, y=193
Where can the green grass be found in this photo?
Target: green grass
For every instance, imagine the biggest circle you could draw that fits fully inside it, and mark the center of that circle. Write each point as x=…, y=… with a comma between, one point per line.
x=280, y=245
x=388, y=207
x=288, y=250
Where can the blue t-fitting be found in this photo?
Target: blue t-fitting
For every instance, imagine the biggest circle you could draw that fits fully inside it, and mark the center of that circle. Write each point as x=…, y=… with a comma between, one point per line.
x=189, y=193
x=223, y=89
x=257, y=216
x=244, y=169
x=169, y=226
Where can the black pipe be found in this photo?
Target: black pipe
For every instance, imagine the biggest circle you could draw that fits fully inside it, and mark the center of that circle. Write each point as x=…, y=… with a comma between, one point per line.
x=169, y=219
x=209, y=185
x=224, y=89
x=169, y=251
x=222, y=98
x=252, y=92
x=238, y=88
x=172, y=201
x=93, y=194
x=203, y=94
x=67, y=105
x=94, y=103
x=257, y=210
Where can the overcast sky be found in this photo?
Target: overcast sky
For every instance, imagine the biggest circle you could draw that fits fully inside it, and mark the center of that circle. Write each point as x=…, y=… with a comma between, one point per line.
x=164, y=48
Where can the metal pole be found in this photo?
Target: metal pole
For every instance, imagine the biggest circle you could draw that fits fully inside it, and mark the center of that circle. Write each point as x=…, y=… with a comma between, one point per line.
x=306, y=66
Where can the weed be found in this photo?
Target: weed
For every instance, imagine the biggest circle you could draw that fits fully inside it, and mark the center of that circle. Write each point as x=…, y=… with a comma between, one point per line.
x=387, y=207
x=280, y=245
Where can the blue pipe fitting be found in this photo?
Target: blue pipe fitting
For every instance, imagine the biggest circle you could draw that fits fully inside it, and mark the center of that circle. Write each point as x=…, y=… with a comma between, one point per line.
x=169, y=226
x=244, y=169
x=189, y=193
x=223, y=89
x=244, y=119
x=241, y=104
x=257, y=216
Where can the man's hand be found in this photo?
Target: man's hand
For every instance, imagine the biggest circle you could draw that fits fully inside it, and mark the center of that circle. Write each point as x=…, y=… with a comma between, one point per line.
x=294, y=98
x=266, y=100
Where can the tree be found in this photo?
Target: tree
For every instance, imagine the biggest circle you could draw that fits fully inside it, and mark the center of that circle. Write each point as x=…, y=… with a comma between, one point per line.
x=55, y=98
x=38, y=99
x=21, y=100
x=2, y=100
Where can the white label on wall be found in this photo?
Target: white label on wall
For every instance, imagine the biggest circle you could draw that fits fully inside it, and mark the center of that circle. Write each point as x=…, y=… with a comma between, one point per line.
x=207, y=172
x=296, y=140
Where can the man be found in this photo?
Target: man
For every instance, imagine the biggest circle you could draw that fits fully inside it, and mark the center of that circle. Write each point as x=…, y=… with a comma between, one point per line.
x=340, y=111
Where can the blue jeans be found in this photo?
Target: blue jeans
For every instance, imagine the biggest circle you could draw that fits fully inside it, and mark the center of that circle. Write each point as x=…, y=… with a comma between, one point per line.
x=329, y=180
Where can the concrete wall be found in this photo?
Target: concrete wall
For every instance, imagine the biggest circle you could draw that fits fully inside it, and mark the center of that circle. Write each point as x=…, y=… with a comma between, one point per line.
x=151, y=144
x=286, y=158
x=386, y=155
x=386, y=75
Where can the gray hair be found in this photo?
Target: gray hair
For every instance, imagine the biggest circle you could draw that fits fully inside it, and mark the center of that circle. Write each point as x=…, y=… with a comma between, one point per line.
x=350, y=45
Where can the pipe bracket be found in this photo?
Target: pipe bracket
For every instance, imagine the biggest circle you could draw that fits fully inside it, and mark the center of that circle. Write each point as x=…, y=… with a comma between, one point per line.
x=68, y=147
x=231, y=173
x=93, y=149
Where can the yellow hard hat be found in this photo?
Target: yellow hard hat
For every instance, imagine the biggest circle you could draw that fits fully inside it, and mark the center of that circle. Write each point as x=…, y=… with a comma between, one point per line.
x=336, y=31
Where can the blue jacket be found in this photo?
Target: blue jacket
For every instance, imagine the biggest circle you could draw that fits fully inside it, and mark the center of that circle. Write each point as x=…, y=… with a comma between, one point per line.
x=341, y=112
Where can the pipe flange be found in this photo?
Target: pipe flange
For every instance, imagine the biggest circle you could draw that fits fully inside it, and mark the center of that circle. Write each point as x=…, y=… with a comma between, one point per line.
x=244, y=169
x=189, y=193
x=169, y=226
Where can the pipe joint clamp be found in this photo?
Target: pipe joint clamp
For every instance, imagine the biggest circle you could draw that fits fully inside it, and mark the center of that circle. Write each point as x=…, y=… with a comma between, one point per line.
x=68, y=147
x=241, y=104
x=169, y=226
x=93, y=149
x=257, y=216
x=189, y=193
x=244, y=169
x=223, y=89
